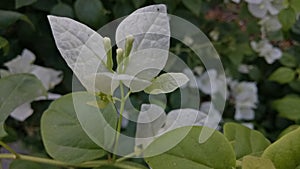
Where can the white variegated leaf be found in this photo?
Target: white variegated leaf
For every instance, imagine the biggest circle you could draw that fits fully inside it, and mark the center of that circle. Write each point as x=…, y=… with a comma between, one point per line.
x=149, y=26
x=81, y=47
x=183, y=117
x=146, y=64
x=133, y=83
x=167, y=83
x=151, y=118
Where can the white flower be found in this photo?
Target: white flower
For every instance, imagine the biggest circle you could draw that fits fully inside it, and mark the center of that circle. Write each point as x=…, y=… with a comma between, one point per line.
x=266, y=50
x=245, y=98
x=24, y=64
x=260, y=8
x=214, y=34
x=270, y=24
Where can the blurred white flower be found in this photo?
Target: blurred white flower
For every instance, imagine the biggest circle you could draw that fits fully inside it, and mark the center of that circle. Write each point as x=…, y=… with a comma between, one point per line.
x=249, y=125
x=244, y=68
x=214, y=34
x=260, y=8
x=270, y=24
x=236, y=1
x=244, y=95
x=266, y=50
x=24, y=64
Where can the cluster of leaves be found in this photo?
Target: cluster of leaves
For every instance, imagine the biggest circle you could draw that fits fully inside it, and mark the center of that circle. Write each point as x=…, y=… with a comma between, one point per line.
x=23, y=24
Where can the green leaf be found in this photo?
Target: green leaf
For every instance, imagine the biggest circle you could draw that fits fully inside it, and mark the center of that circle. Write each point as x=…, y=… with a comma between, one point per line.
x=8, y=18
x=288, y=107
x=4, y=45
x=288, y=130
x=216, y=152
x=21, y=3
x=287, y=18
x=98, y=124
x=282, y=75
x=138, y=3
x=250, y=162
x=284, y=153
x=62, y=9
x=62, y=134
x=288, y=60
x=91, y=13
x=166, y=83
x=295, y=4
x=193, y=5
x=16, y=90
x=244, y=140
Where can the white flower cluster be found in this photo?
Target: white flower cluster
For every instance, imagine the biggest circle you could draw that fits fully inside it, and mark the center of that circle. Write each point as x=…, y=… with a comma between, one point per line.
x=23, y=64
x=244, y=96
x=265, y=49
x=266, y=11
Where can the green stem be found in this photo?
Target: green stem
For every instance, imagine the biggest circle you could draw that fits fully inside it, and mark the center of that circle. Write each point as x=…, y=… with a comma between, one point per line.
x=53, y=162
x=9, y=149
x=126, y=157
x=122, y=106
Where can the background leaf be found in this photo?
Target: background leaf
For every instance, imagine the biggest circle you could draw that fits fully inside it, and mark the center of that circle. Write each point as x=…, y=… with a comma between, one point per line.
x=91, y=13
x=216, y=152
x=8, y=18
x=193, y=5
x=62, y=9
x=16, y=90
x=62, y=134
x=244, y=140
x=4, y=45
x=282, y=75
x=21, y=3
x=288, y=107
x=287, y=18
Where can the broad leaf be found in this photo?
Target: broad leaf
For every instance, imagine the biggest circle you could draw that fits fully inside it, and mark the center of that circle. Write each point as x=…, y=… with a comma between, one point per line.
x=282, y=75
x=98, y=124
x=216, y=152
x=62, y=134
x=244, y=140
x=16, y=90
x=250, y=162
x=288, y=107
x=152, y=30
x=8, y=18
x=284, y=153
x=81, y=47
x=295, y=5
x=166, y=83
x=151, y=118
x=123, y=165
x=21, y=3
x=91, y=13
